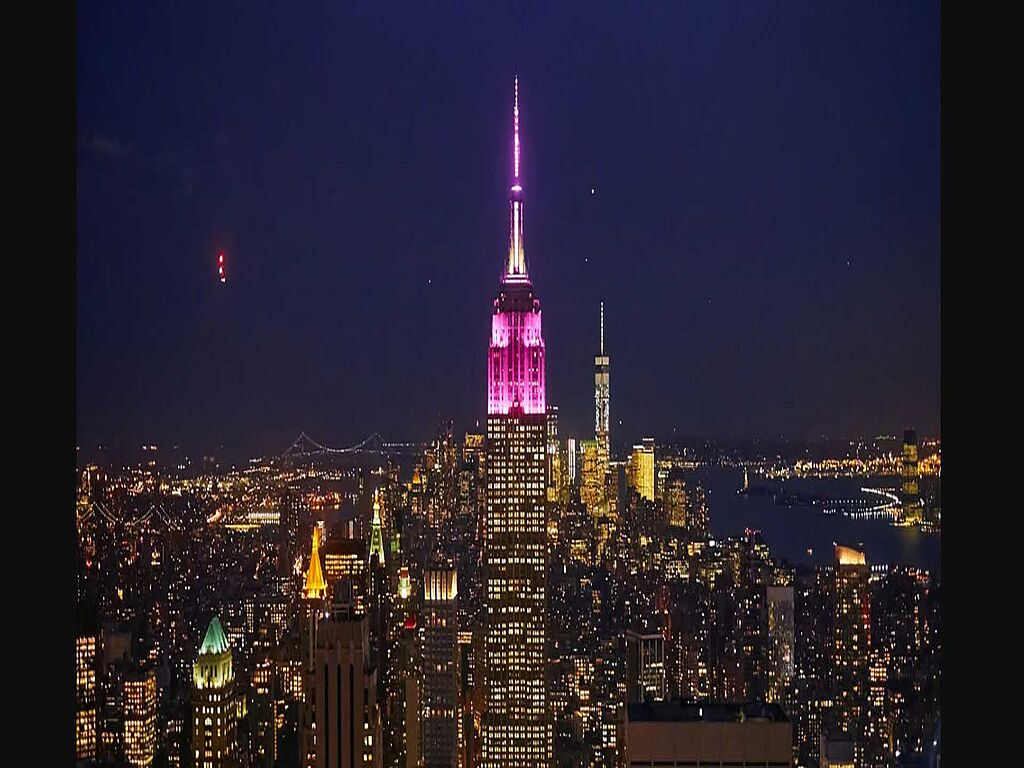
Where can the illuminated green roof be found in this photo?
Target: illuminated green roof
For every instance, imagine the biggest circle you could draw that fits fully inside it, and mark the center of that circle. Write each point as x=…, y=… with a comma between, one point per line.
x=215, y=641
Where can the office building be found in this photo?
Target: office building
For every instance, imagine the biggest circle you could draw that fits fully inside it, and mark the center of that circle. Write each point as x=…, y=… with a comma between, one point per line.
x=140, y=717
x=214, y=708
x=86, y=665
x=645, y=666
x=440, y=702
x=343, y=689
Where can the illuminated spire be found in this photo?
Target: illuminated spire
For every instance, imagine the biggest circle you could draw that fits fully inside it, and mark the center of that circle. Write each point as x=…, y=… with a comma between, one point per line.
x=515, y=130
x=214, y=642
x=515, y=271
x=602, y=329
x=316, y=587
x=376, y=538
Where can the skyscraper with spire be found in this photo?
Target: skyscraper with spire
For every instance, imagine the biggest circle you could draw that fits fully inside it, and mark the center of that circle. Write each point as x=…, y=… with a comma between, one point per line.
x=214, y=707
x=516, y=723
x=601, y=403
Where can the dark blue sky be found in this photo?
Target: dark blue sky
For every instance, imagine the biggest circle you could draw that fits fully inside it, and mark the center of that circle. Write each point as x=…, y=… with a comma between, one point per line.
x=764, y=230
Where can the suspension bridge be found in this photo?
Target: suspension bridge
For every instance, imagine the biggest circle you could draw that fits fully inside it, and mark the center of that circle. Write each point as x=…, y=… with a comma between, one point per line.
x=305, y=447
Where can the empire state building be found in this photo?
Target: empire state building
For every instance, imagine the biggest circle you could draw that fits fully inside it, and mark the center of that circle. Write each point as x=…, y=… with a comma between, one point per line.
x=516, y=722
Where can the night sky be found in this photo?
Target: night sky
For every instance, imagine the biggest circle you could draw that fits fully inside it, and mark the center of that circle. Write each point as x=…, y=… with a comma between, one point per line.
x=764, y=228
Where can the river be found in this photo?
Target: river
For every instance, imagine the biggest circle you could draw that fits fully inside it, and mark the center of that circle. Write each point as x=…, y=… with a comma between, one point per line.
x=791, y=531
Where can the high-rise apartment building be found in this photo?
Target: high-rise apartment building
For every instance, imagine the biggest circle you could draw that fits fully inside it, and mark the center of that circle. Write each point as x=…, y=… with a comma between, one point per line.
x=516, y=723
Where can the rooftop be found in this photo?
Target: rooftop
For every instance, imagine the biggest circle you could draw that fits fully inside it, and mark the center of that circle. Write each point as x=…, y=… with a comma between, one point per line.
x=215, y=641
x=712, y=712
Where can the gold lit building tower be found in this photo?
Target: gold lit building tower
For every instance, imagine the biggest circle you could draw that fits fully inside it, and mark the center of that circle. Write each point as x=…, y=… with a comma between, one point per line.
x=640, y=469
x=214, y=708
x=516, y=723
x=601, y=399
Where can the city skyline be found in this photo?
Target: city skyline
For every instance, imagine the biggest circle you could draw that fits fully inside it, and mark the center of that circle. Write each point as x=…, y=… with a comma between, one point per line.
x=322, y=321
x=692, y=516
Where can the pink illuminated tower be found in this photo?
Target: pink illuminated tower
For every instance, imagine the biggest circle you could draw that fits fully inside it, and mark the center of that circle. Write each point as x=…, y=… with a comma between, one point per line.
x=516, y=723
x=515, y=369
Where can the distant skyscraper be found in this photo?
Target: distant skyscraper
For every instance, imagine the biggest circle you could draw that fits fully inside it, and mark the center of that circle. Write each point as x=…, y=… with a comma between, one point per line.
x=592, y=478
x=675, y=499
x=140, y=718
x=343, y=689
x=516, y=723
x=440, y=703
x=554, y=458
x=602, y=397
x=214, y=708
x=910, y=472
x=781, y=641
x=640, y=472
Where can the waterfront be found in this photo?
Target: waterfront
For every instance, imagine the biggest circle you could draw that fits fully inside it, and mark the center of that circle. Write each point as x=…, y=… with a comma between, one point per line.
x=790, y=531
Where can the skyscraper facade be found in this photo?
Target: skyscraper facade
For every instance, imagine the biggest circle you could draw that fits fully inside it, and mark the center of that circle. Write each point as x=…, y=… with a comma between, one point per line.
x=343, y=688
x=516, y=723
x=640, y=472
x=86, y=663
x=781, y=641
x=140, y=717
x=851, y=629
x=440, y=668
x=645, y=666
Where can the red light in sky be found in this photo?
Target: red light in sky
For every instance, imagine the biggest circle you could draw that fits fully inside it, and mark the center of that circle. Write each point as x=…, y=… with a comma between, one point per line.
x=220, y=268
